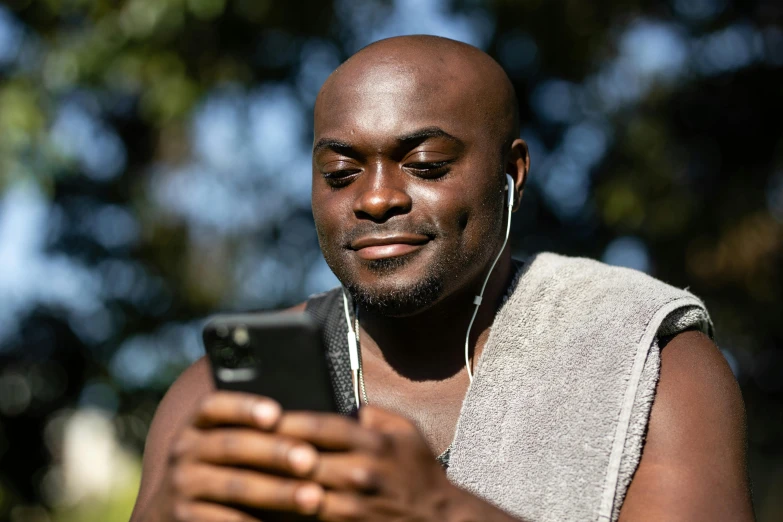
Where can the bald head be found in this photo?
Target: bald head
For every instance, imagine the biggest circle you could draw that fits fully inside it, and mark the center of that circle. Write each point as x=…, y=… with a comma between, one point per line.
x=415, y=140
x=452, y=75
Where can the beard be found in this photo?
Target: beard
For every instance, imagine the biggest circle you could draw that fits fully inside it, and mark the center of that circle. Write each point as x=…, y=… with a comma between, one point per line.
x=392, y=297
x=396, y=301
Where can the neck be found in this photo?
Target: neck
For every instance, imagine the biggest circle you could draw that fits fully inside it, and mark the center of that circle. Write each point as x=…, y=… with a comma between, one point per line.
x=430, y=345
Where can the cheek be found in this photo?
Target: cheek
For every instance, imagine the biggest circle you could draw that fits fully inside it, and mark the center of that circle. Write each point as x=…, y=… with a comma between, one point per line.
x=462, y=214
x=479, y=219
x=328, y=205
x=327, y=219
x=463, y=219
x=445, y=205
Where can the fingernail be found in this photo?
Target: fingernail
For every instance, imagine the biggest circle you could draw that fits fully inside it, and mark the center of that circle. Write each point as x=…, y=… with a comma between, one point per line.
x=308, y=498
x=182, y=446
x=302, y=459
x=266, y=414
x=360, y=477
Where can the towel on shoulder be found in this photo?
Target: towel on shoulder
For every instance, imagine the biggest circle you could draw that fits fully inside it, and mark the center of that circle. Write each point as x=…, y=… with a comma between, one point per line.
x=553, y=425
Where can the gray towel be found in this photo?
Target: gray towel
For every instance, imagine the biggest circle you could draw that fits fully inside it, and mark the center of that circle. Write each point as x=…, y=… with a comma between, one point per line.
x=552, y=427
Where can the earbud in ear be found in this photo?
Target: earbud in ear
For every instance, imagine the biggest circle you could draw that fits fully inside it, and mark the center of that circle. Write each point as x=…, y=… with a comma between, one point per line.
x=510, y=190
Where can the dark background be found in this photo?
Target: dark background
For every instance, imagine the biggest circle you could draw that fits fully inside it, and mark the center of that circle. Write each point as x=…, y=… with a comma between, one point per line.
x=155, y=168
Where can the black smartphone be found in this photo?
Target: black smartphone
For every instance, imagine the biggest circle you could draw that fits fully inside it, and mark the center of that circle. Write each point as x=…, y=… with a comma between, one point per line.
x=278, y=355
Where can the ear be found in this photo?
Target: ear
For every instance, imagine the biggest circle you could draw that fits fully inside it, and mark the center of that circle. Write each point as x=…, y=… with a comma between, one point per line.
x=518, y=166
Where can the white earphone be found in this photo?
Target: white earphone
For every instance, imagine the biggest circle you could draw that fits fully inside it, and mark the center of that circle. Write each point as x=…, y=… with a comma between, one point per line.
x=353, y=346
x=478, y=298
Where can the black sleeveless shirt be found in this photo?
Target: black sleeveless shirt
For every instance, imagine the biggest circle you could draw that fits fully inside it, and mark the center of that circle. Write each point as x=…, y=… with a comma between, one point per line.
x=327, y=310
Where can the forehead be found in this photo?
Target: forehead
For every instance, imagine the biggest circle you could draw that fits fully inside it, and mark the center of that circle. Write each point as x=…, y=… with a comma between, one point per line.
x=386, y=100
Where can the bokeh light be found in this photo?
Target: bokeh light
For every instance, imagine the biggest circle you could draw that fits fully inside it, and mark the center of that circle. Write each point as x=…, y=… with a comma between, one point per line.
x=155, y=169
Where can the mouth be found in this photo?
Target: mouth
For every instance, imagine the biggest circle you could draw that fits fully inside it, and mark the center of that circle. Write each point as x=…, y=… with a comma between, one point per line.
x=372, y=248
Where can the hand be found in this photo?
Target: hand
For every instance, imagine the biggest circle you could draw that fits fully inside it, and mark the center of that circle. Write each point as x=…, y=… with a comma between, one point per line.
x=229, y=455
x=384, y=471
x=242, y=450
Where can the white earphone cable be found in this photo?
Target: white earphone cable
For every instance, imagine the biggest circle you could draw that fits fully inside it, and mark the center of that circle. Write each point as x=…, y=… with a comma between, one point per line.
x=353, y=350
x=480, y=296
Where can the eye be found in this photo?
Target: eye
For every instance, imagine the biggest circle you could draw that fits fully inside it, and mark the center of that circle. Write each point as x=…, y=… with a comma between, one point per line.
x=338, y=178
x=428, y=169
x=339, y=172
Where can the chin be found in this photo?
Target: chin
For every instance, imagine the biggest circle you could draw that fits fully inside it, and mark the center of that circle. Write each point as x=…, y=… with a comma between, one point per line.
x=394, y=286
x=397, y=300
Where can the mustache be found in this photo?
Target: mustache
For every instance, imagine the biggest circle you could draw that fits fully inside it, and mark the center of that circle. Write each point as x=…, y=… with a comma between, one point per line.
x=374, y=229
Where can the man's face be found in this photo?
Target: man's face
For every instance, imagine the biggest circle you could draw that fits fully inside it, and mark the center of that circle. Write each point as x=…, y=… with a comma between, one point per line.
x=408, y=188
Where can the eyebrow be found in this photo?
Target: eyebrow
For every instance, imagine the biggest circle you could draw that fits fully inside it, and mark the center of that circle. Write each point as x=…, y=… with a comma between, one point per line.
x=419, y=135
x=335, y=145
x=427, y=133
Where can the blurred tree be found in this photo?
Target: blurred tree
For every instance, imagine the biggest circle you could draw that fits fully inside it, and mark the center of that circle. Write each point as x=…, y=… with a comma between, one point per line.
x=155, y=168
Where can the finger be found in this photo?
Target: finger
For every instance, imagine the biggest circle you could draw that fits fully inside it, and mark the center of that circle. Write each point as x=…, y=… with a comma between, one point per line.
x=241, y=409
x=249, y=448
x=247, y=488
x=340, y=506
x=330, y=431
x=207, y=512
x=359, y=472
x=398, y=430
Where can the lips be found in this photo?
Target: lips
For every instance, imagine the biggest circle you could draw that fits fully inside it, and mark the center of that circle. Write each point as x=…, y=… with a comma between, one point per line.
x=371, y=248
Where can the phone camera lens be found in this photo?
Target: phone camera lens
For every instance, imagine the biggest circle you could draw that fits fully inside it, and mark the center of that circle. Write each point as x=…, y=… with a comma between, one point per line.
x=241, y=336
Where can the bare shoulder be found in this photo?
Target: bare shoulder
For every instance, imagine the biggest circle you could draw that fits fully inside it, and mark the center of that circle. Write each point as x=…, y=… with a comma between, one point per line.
x=693, y=466
x=173, y=412
x=180, y=401
x=697, y=388
x=177, y=405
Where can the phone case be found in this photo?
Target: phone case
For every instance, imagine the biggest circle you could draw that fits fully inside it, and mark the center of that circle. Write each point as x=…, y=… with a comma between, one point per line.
x=278, y=355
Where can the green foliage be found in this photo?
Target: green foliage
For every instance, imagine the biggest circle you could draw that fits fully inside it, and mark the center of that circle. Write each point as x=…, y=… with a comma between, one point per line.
x=167, y=141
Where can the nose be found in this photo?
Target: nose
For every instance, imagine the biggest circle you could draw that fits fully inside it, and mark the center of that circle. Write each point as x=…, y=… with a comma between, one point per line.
x=382, y=198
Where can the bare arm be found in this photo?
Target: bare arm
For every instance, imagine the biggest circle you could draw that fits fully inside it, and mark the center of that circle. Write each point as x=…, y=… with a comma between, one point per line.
x=694, y=462
x=173, y=413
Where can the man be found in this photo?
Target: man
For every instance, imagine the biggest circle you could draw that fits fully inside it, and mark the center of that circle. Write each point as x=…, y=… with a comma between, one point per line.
x=414, y=137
